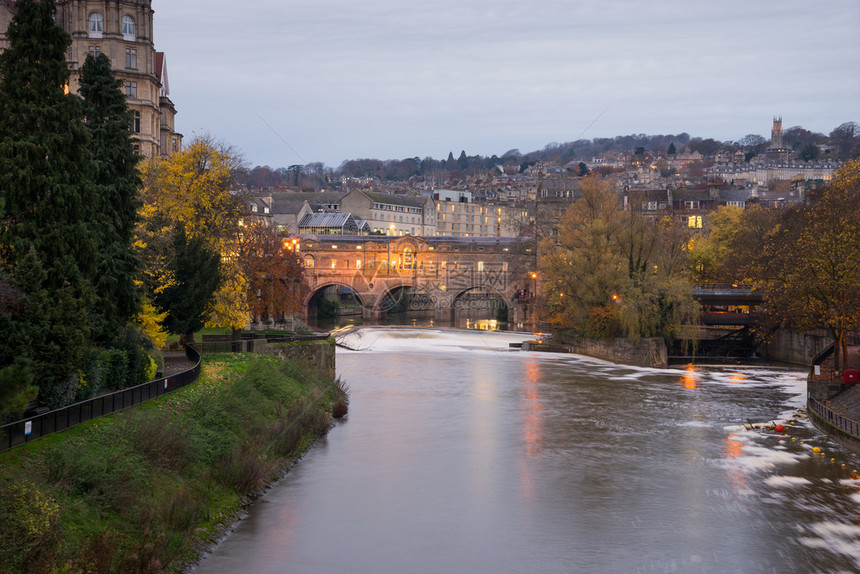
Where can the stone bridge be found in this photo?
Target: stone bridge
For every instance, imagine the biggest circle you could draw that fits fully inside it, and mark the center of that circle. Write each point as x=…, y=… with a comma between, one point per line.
x=439, y=271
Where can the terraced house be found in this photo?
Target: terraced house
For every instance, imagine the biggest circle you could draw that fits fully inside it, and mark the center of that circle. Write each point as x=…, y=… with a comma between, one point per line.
x=122, y=30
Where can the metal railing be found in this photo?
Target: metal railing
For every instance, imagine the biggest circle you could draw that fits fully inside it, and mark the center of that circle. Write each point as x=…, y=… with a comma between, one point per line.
x=831, y=417
x=29, y=429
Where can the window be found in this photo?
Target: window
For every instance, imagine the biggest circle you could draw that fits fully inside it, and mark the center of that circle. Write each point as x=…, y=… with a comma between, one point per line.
x=131, y=58
x=96, y=25
x=136, y=148
x=135, y=123
x=94, y=51
x=128, y=27
x=131, y=89
x=694, y=221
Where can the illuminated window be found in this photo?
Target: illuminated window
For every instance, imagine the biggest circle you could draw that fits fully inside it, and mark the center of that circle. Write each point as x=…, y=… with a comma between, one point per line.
x=96, y=25
x=694, y=221
x=309, y=262
x=334, y=263
x=480, y=265
x=358, y=263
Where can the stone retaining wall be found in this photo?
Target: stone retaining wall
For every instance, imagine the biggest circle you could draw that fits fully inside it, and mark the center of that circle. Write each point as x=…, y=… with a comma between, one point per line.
x=796, y=348
x=643, y=353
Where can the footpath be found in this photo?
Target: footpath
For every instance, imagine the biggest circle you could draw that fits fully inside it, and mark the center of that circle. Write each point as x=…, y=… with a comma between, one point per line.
x=175, y=362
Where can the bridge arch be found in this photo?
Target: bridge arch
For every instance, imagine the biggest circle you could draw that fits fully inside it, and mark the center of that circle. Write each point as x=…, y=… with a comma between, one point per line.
x=492, y=301
x=311, y=302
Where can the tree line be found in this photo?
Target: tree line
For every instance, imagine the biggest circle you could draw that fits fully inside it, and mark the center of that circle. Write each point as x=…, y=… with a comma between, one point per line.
x=842, y=143
x=611, y=270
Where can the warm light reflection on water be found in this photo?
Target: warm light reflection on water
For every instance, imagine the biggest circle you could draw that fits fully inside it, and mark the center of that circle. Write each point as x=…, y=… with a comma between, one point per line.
x=688, y=380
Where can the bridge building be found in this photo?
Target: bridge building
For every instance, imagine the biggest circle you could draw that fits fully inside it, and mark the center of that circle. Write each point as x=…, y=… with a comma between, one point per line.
x=436, y=273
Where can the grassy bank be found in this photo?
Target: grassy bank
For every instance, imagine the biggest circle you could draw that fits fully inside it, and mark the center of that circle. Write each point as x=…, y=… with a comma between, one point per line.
x=140, y=491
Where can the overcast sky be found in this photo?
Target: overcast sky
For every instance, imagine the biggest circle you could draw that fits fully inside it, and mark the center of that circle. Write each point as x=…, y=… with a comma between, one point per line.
x=298, y=81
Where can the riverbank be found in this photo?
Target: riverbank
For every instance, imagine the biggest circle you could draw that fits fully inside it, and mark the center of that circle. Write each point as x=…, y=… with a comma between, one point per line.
x=145, y=490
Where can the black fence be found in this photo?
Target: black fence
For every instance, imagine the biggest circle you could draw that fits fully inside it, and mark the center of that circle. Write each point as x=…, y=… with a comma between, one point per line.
x=847, y=425
x=24, y=431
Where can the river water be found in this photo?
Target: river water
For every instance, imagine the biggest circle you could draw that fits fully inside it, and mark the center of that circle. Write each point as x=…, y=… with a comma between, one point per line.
x=461, y=455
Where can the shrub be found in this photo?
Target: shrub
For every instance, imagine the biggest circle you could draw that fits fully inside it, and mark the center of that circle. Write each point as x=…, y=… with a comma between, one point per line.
x=113, y=366
x=29, y=519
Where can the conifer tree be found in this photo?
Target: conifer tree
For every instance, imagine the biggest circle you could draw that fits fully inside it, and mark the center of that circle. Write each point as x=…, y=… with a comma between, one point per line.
x=196, y=269
x=116, y=199
x=45, y=172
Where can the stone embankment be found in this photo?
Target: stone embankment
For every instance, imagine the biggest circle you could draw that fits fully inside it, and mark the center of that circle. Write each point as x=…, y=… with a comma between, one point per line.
x=649, y=352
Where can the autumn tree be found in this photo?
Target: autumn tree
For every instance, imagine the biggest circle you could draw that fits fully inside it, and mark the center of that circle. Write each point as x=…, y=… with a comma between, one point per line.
x=191, y=190
x=274, y=271
x=612, y=271
x=815, y=276
x=708, y=252
x=581, y=268
x=805, y=258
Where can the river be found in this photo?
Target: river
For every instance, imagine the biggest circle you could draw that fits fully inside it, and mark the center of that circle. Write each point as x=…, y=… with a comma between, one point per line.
x=462, y=455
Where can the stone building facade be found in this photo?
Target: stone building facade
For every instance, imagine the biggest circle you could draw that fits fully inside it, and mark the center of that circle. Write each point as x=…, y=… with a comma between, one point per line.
x=122, y=30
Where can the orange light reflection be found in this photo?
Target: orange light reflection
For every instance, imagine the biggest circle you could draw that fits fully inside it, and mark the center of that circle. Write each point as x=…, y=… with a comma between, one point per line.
x=533, y=427
x=734, y=450
x=738, y=378
x=689, y=379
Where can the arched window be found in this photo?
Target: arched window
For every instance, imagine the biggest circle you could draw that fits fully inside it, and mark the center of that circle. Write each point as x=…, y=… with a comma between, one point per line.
x=128, y=27
x=97, y=25
x=407, y=258
x=309, y=262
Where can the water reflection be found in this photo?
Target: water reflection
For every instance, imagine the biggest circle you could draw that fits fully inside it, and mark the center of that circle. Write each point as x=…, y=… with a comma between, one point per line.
x=689, y=379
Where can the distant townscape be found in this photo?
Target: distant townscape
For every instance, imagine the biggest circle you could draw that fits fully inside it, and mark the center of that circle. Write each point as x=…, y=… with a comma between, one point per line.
x=473, y=196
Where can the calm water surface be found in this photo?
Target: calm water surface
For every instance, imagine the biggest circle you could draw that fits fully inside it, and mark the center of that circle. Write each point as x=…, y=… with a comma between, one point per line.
x=460, y=455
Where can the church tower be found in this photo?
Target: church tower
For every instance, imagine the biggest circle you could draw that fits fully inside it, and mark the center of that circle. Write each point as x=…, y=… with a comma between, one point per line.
x=776, y=133
x=123, y=31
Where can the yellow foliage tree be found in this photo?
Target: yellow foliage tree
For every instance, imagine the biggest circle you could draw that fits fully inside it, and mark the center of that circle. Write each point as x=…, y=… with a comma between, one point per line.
x=613, y=271
x=192, y=188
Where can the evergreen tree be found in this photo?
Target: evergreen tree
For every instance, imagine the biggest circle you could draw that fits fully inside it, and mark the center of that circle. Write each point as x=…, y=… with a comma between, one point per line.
x=116, y=202
x=463, y=161
x=196, y=270
x=672, y=150
x=46, y=244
